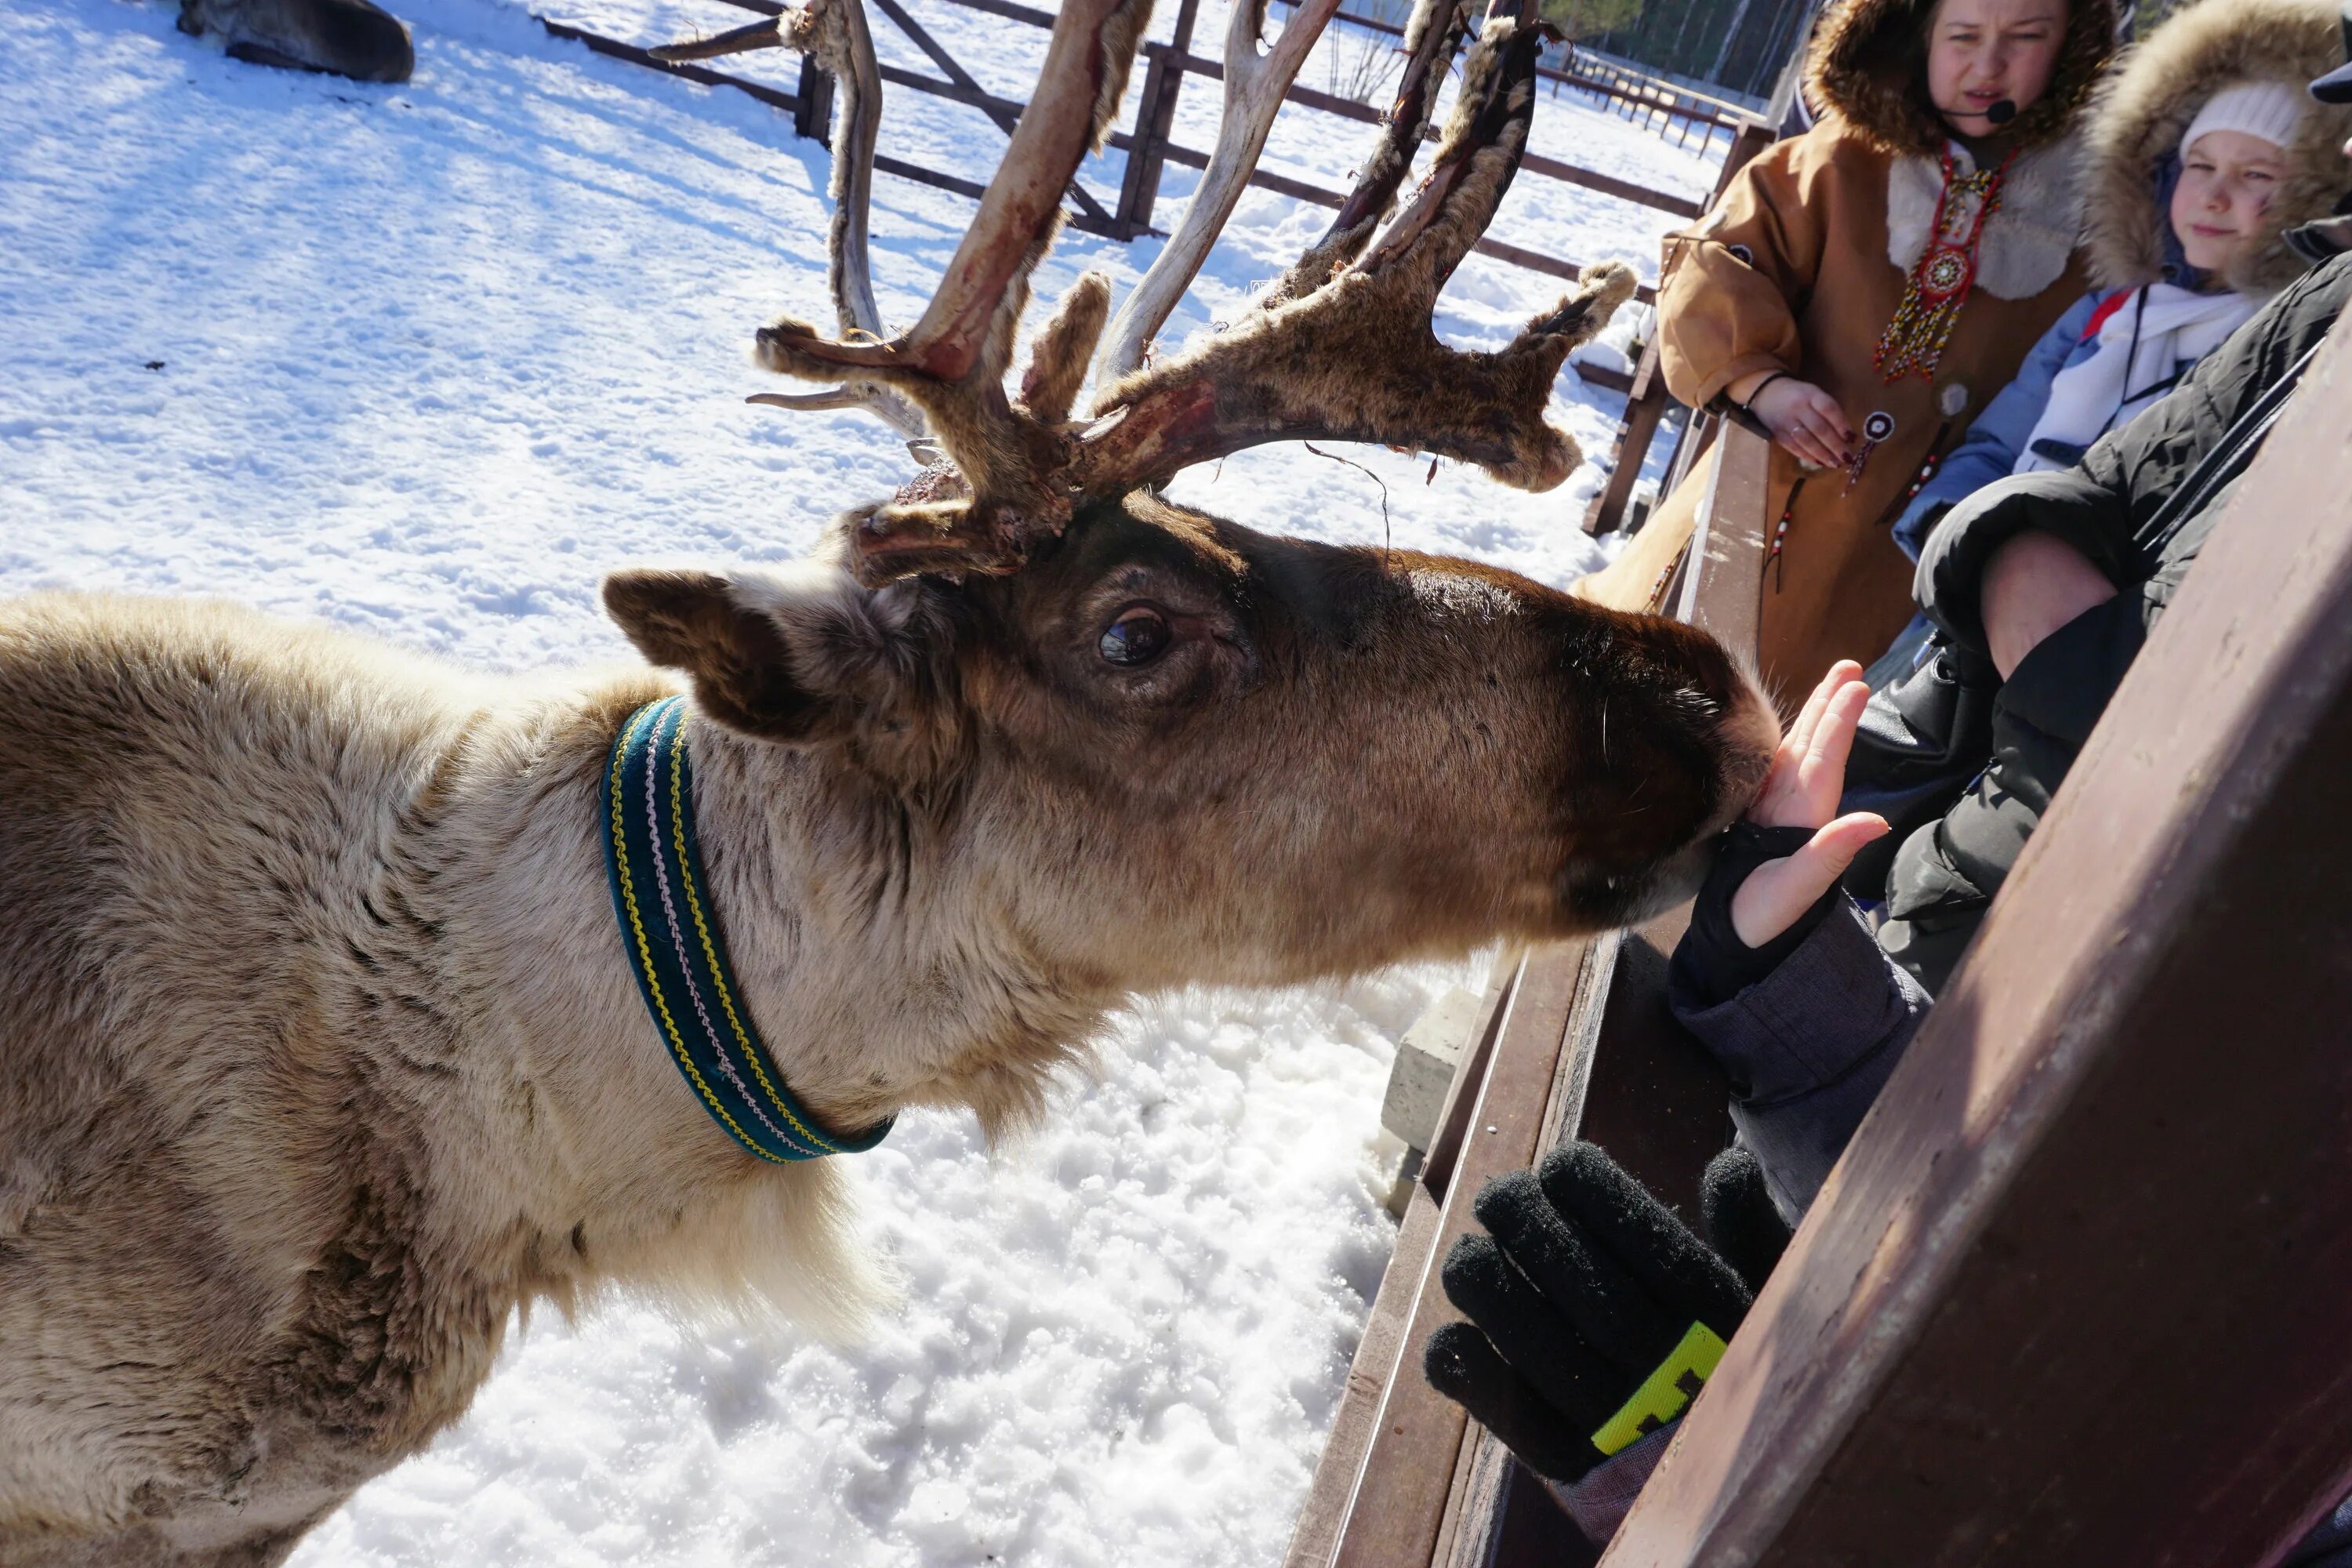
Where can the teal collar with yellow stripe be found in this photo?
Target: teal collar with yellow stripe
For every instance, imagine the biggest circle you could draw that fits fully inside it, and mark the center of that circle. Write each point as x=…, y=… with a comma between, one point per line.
x=671, y=933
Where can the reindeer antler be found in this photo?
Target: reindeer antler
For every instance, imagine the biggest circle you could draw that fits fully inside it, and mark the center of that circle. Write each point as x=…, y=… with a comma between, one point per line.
x=1433, y=37
x=834, y=33
x=1354, y=358
x=1342, y=348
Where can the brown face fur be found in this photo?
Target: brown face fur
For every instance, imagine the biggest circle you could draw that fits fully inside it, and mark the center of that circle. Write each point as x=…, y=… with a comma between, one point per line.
x=1314, y=758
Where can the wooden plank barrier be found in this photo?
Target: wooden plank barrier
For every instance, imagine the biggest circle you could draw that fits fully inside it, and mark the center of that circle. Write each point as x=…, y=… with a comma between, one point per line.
x=2076, y=1293
x=1577, y=1042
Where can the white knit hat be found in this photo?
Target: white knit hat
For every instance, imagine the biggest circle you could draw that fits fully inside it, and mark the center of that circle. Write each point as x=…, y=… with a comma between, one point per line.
x=2270, y=110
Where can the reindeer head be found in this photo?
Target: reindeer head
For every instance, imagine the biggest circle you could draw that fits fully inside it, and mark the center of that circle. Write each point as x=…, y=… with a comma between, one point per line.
x=1165, y=747
x=1171, y=749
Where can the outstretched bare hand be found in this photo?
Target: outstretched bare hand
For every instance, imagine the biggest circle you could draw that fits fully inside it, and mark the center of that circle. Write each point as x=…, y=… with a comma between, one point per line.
x=1801, y=791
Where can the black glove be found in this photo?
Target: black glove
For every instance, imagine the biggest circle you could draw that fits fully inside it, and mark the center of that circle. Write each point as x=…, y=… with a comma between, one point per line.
x=1595, y=1314
x=1736, y=1214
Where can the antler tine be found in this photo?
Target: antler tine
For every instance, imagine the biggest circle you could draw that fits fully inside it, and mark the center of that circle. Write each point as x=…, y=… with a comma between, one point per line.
x=834, y=33
x=1011, y=462
x=1254, y=84
x=1433, y=37
x=1356, y=359
x=1475, y=161
x=969, y=318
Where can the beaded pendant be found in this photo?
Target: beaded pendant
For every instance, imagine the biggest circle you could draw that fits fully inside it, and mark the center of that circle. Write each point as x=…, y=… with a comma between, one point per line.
x=1940, y=281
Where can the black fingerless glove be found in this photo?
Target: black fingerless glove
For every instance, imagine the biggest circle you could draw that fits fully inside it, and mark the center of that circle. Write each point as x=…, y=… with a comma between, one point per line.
x=1595, y=1314
x=1710, y=960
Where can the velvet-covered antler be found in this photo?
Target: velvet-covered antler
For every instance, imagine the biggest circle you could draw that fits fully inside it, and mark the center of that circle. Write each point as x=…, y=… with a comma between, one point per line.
x=1342, y=348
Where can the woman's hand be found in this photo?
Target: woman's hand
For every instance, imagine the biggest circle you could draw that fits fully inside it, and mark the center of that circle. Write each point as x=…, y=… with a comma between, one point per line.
x=1801, y=791
x=1805, y=419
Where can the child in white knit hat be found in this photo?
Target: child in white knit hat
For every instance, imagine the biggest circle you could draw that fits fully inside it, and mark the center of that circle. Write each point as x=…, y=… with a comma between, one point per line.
x=2233, y=162
x=2198, y=153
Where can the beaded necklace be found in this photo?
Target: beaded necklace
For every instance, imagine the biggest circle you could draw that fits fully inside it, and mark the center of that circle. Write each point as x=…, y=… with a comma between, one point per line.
x=1940, y=281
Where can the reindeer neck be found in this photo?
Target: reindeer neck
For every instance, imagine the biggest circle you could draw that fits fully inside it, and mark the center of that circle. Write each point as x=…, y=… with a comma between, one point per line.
x=883, y=966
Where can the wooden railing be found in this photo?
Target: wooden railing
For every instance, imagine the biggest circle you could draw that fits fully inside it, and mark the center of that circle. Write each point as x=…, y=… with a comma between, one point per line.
x=2075, y=1293
x=1150, y=142
x=1575, y=1041
x=1662, y=105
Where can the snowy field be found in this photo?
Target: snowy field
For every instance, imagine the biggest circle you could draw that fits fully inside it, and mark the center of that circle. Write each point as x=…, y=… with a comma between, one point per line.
x=425, y=361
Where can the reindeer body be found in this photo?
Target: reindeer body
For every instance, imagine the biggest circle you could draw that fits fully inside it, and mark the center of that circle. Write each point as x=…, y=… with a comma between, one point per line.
x=318, y=1058
x=318, y=1055
x=356, y=39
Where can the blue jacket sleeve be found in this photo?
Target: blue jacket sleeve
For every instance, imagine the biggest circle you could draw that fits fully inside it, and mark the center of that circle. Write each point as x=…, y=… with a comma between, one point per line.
x=1807, y=1048
x=1993, y=444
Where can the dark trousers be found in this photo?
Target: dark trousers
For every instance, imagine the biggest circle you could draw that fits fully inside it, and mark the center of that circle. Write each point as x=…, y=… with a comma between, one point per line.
x=1947, y=871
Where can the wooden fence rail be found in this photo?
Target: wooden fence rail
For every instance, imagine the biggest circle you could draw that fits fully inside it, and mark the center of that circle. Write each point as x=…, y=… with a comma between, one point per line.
x=1150, y=144
x=1681, y=107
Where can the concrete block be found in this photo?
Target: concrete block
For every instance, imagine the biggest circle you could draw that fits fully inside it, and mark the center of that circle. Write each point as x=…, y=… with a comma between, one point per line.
x=1425, y=1060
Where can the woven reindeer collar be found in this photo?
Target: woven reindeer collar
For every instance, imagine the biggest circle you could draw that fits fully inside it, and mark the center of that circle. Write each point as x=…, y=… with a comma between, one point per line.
x=671, y=933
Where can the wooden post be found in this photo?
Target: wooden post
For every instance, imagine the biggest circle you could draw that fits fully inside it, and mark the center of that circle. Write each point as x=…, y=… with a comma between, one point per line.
x=1645, y=405
x=1155, y=119
x=813, y=114
x=2075, y=1293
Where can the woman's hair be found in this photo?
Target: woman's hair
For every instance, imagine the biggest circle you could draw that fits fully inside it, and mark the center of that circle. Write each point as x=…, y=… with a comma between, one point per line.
x=1869, y=64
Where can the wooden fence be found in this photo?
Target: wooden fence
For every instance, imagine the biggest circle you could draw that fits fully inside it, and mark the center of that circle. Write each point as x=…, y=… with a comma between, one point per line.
x=1661, y=104
x=1150, y=144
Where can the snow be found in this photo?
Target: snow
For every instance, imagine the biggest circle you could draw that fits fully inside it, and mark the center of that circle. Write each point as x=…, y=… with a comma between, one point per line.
x=425, y=361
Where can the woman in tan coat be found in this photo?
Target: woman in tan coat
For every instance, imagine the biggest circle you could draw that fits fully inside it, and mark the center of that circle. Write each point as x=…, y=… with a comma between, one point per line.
x=1865, y=289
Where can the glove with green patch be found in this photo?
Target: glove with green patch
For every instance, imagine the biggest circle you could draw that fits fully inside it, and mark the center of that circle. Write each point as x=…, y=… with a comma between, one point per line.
x=1595, y=1314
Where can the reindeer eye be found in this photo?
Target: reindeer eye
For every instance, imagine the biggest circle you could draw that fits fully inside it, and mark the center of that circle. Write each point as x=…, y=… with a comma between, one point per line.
x=1140, y=636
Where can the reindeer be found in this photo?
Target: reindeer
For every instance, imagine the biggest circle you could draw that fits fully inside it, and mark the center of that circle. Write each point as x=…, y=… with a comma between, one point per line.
x=320, y=1058
x=341, y=38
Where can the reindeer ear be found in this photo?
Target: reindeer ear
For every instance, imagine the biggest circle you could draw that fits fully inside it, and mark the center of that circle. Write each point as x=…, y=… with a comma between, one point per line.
x=795, y=655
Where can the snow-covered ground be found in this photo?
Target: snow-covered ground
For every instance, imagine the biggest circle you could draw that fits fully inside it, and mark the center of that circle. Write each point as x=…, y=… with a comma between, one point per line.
x=427, y=359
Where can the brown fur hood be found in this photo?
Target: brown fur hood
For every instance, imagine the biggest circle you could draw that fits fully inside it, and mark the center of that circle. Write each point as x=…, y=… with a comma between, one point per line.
x=2137, y=119
x=1869, y=65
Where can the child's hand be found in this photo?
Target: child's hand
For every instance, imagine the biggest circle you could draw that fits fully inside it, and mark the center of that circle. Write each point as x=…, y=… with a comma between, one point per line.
x=1806, y=420
x=1801, y=791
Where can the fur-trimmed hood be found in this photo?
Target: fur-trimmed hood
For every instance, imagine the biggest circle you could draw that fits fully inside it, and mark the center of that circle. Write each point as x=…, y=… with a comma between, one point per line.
x=1868, y=66
x=2135, y=124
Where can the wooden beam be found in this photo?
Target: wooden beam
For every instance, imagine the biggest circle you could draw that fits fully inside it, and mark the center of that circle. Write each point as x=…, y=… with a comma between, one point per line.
x=1531, y=162
x=1321, y=1519
x=1005, y=115
x=1731, y=541
x=1397, y=1503
x=2075, y=1293
x=690, y=71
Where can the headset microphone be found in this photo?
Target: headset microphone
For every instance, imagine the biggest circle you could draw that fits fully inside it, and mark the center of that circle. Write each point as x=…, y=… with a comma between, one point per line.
x=2002, y=112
